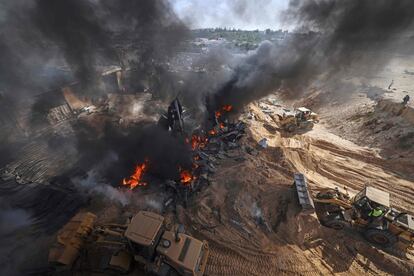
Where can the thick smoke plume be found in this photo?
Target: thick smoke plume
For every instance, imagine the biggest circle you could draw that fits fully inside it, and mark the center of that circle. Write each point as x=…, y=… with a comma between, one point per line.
x=331, y=36
x=165, y=153
x=77, y=38
x=74, y=27
x=84, y=35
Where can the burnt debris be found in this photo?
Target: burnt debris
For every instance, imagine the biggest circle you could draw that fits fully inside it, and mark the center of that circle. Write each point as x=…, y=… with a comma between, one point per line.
x=173, y=120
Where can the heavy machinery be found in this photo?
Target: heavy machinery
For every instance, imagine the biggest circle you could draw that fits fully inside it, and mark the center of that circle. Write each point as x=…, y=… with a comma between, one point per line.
x=143, y=243
x=336, y=209
x=300, y=118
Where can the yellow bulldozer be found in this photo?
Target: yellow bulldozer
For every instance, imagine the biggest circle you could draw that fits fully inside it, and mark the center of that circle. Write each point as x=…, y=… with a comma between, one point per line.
x=369, y=211
x=142, y=244
x=300, y=118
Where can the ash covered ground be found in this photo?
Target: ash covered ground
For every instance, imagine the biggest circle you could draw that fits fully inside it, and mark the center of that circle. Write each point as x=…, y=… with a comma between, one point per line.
x=85, y=88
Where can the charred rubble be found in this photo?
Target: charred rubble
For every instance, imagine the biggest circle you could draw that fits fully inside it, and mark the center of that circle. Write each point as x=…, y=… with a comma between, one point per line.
x=205, y=146
x=208, y=149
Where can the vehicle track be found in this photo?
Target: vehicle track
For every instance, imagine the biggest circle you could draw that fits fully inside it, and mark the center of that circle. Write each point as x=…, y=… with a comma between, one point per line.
x=327, y=164
x=226, y=261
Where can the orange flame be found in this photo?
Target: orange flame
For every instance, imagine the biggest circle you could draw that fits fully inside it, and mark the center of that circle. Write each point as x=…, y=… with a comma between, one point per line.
x=198, y=142
x=227, y=108
x=212, y=132
x=135, y=178
x=186, y=177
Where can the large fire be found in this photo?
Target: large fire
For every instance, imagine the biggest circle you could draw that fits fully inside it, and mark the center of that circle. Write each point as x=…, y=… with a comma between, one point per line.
x=135, y=179
x=196, y=142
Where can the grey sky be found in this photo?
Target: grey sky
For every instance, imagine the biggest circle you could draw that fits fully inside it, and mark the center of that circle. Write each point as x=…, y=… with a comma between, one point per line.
x=243, y=14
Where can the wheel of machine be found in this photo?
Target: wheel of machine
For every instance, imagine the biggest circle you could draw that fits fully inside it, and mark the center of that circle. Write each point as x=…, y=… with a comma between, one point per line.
x=380, y=237
x=336, y=224
x=309, y=125
x=324, y=195
x=291, y=128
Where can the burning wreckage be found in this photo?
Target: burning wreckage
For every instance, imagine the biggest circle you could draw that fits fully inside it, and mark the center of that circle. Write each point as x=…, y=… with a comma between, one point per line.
x=72, y=112
x=207, y=147
x=66, y=118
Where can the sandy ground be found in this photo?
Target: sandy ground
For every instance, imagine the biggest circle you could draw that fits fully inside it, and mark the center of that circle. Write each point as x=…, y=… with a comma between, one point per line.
x=250, y=215
x=252, y=220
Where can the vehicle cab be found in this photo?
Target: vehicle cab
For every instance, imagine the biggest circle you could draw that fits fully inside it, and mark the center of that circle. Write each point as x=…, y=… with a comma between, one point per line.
x=160, y=250
x=143, y=234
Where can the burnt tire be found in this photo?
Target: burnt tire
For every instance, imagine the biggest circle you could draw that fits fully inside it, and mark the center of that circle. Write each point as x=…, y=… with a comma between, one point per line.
x=336, y=224
x=380, y=237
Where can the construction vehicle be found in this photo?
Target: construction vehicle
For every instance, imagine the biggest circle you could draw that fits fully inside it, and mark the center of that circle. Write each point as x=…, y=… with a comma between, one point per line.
x=300, y=118
x=142, y=244
x=337, y=210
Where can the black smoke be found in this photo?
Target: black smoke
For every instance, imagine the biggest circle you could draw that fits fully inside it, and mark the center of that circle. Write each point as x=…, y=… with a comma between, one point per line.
x=76, y=30
x=78, y=38
x=36, y=36
x=148, y=27
x=330, y=37
x=144, y=142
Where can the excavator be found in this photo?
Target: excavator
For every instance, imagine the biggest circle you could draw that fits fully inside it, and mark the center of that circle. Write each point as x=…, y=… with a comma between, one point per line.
x=142, y=244
x=300, y=118
x=369, y=211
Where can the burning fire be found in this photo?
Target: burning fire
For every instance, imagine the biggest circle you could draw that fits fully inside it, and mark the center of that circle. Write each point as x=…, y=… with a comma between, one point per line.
x=198, y=142
x=212, y=132
x=186, y=177
x=225, y=108
x=135, y=178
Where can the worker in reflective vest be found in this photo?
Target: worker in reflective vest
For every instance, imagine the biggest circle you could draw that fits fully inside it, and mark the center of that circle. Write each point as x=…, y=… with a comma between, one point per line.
x=376, y=212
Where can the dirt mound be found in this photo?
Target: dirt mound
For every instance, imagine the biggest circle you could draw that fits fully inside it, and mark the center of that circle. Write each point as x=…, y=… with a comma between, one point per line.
x=251, y=217
x=397, y=109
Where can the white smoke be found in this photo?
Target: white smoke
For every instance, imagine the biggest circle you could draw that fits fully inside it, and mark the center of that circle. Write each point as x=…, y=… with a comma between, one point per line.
x=255, y=211
x=93, y=184
x=12, y=220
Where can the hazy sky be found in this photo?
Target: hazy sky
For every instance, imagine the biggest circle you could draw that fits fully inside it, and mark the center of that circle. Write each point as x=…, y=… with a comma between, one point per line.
x=243, y=14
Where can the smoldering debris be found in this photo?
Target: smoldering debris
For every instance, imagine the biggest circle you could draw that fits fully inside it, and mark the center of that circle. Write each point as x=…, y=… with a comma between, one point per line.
x=258, y=216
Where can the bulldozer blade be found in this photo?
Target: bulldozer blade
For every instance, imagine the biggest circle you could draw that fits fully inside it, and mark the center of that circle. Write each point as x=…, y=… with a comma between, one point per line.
x=305, y=199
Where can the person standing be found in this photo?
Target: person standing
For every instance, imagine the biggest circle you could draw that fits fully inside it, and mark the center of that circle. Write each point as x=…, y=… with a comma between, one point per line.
x=406, y=99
